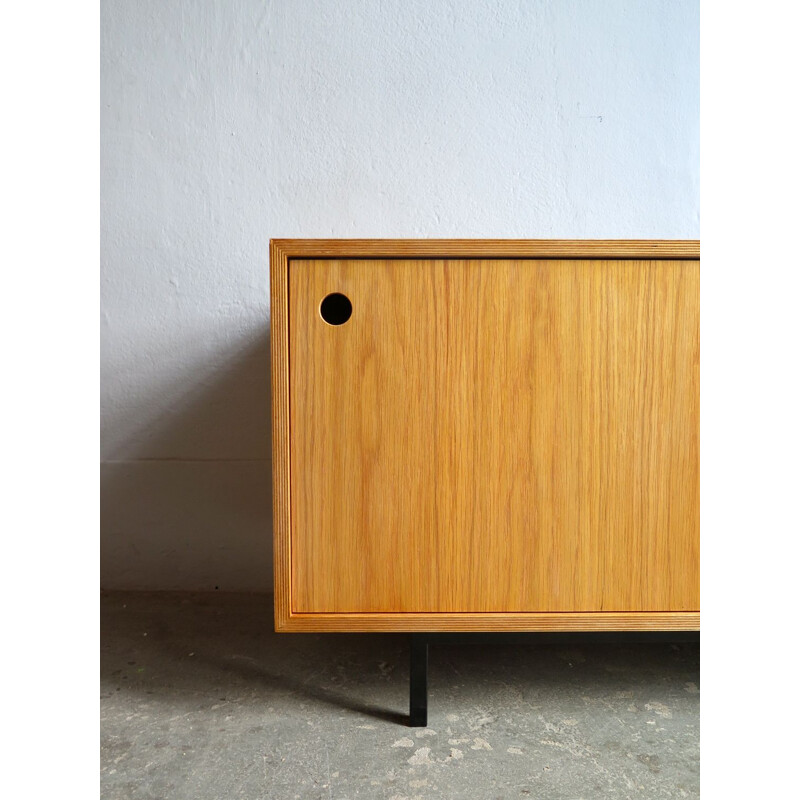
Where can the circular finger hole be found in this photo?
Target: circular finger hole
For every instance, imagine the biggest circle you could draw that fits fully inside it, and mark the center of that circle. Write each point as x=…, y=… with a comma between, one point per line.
x=335, y=309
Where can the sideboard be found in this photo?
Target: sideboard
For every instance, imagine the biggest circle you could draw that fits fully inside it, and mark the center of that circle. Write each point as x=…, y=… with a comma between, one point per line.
x=485, y=435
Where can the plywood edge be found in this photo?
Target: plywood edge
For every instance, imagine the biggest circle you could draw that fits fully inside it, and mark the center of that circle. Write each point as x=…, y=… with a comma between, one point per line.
x=279, y=339
x=549, y=621
x=489, y=248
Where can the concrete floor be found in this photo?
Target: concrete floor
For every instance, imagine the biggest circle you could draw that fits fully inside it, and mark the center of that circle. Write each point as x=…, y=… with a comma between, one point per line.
x=200, y=699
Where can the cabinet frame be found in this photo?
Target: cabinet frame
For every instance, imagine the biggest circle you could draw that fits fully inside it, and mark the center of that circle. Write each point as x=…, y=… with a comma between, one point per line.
x=282, y=251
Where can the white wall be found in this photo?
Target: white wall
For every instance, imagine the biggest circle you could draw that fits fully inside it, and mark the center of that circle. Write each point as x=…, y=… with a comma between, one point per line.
x=227, y=123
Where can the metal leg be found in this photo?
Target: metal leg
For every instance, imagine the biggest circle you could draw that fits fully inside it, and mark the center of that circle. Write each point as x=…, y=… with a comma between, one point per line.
x=418, y=708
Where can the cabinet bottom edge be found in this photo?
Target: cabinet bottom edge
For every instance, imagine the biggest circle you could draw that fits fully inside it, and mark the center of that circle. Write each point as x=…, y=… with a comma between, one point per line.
x=468, y=622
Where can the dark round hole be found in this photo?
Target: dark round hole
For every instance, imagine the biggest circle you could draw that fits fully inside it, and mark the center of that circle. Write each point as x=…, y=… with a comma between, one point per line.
x=336, y=309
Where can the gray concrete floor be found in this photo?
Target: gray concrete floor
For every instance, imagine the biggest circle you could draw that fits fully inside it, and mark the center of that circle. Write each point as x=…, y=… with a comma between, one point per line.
x=200, y=699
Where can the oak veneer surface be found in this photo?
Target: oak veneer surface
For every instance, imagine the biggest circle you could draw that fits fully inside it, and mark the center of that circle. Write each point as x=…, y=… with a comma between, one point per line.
x=506, y=436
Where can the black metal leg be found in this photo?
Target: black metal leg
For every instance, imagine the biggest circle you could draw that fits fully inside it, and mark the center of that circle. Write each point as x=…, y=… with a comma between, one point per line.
x=418, y=708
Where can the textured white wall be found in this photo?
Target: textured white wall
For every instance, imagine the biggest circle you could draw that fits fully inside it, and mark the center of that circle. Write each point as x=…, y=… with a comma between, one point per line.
x=227, y=123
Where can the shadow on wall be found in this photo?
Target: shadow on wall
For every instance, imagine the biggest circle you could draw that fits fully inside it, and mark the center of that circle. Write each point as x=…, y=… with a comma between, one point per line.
x=189, y=506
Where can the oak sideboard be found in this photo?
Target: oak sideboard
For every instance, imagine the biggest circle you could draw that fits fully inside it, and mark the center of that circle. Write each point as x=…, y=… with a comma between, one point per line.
x=485, y=435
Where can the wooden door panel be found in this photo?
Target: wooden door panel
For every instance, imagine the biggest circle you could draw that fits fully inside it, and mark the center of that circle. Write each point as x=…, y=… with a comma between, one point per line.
x=507, y=435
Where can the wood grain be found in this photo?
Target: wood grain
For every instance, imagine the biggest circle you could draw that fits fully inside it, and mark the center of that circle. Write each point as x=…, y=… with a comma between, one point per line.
x=486, y=248
x=281, y=509
x=489, y=436
x=545, y=622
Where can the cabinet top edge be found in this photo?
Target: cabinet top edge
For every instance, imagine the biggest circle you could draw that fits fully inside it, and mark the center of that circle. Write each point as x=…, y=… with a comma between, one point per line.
x=499, y=248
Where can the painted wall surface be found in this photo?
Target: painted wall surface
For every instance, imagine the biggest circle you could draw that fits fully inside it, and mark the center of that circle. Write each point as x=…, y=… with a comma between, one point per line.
x=227, y=123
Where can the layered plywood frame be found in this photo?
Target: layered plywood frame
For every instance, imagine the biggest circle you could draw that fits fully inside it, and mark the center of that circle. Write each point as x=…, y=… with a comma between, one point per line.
x=504, y=436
